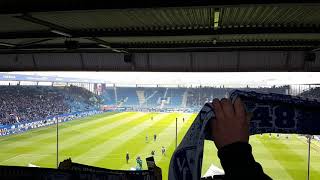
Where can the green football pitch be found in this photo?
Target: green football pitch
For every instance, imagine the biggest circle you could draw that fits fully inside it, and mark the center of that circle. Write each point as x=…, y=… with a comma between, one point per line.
x=103, y=140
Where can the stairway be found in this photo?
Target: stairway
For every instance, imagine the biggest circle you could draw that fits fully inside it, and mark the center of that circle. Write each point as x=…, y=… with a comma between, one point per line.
x=184, y=99
x=115, y=94
x=154, y=93
x=165, y=93
x=164, y=102
x=141, y=97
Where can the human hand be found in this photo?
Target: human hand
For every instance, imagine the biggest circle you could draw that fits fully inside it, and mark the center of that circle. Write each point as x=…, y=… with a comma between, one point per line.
x=231, y=123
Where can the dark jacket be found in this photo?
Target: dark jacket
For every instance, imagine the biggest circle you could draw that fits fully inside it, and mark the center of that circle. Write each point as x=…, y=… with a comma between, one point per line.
x=238, y=162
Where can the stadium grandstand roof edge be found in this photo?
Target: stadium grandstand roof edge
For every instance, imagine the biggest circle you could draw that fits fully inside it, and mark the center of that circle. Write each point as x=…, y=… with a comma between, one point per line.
x=139, y=35
x=37, y=78
x=59, y=79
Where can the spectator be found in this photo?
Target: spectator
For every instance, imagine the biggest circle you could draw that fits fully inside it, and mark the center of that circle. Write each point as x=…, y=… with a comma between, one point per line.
x=28, y=103
x=230, y=132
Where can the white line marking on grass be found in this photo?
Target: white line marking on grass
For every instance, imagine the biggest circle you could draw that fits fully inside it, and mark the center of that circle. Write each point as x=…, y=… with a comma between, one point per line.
x=20, y=157
x=108, y=146
x=79, y=138
x=41, y=136
x=11, y=158
x=89, y=134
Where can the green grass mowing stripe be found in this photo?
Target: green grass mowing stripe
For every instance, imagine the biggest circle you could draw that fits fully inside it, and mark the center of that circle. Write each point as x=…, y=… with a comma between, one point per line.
x=303, y=152
x=71, y=138
x=134, y=144
x=43, y=146
x=293, y=163
x=165, y=131
x=47, y=129
x=262, y=154
x=91, y=134
x=271, y=166
x=315, y=159
x=315, y=146
x=87, y=140
x=209, y=156
x=181, y=125
x=71, y=128
x=24, y=159
x=165, y=162
x=102, y=135
x=117, y=139
x=46, y=132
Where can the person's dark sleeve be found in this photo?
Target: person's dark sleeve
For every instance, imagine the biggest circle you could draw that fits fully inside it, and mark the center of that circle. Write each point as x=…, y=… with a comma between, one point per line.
x=238, y=162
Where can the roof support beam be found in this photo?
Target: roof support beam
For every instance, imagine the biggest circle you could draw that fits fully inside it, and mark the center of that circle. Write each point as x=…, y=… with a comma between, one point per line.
x=314, y=29
x=32, y=43
x=105, y=44
x=184, y=47
x=56, y=29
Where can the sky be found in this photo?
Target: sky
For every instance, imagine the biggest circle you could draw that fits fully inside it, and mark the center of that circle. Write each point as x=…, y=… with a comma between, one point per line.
x=193, y=78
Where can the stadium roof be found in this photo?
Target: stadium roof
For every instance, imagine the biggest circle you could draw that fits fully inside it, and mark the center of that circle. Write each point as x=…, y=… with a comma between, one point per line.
x=87, y=32
x=38, y=78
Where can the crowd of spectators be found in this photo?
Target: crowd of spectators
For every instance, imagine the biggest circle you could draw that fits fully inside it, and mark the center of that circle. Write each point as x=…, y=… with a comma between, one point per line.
x=313, y=93
x=197, y=97
x=174, y=97
x=28, y=103
x=80, y=98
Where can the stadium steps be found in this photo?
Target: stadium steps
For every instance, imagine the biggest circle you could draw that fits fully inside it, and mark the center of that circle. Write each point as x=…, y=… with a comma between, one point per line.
x=141, y=97
x=115, y=94
x=149, y=97
x=123, y=102
x=163, y=102
x=184, y=99
x=168, y=100
x=165, y=93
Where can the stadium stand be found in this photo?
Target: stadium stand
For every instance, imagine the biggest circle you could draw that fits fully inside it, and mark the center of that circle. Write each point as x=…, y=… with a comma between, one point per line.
x=199, y=96
x=176, y=97
x=28, y=103
x=313, y=93
x=127, y=96
x=109, y=96
x=154, y=96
